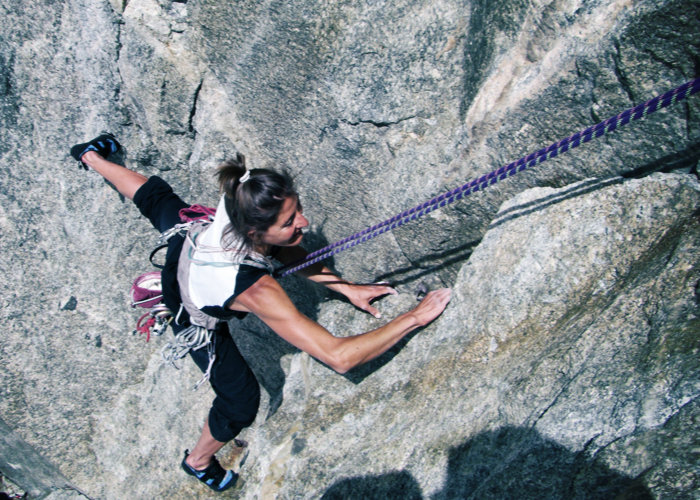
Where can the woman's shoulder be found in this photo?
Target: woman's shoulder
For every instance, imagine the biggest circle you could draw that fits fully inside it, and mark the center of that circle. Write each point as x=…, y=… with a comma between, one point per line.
x=247, y=276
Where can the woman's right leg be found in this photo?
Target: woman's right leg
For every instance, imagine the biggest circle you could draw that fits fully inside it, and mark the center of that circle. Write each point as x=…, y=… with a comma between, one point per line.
x=126, y=181
x=201, y=455
x=237, y=397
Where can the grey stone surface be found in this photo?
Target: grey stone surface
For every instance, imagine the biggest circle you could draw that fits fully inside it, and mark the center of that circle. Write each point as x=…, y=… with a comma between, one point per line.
x=28, y=470
x=525, y=387
x=566, y=364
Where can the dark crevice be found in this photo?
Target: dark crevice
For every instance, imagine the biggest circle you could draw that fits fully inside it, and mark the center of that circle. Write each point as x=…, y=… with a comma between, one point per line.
x=118, y=51
x=624, y=81
x=193, y=110
x=685, y=160
x=378, y=124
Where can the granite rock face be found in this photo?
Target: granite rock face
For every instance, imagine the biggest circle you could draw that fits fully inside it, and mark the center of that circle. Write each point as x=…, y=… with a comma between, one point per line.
x=566, y=365
x=562, y=386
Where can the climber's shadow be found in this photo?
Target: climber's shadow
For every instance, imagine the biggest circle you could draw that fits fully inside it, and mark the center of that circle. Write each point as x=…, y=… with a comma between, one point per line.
x=262, y=348
x=510, y=462
x=392, y=485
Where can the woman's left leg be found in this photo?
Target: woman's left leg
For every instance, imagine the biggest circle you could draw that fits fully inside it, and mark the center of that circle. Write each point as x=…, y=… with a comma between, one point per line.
x=94, y=154
x=156, y=201
x=126, y=181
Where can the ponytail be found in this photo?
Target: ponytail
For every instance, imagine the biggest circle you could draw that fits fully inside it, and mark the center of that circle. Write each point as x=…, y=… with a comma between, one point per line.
x=230, y=172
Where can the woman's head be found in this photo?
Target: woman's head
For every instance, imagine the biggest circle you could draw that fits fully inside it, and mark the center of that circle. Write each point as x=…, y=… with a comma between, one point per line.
x=262, y=205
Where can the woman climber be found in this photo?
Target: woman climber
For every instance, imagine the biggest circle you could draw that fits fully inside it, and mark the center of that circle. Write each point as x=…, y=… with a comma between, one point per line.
x=224, y=271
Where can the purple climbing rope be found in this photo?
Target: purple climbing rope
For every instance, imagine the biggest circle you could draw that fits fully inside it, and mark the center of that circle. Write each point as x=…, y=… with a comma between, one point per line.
x=529, y=161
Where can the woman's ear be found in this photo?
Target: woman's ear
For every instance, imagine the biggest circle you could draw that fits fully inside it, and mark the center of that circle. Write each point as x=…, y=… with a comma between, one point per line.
x=254, y=236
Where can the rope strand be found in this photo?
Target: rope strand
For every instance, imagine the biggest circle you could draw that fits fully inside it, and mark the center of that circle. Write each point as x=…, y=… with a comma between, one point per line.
x=529, y=161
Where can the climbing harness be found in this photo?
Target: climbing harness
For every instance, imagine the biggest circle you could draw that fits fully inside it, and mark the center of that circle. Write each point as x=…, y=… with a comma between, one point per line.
x=189, y=216
x=147, y=292
x=529, y=161
x=197, y=213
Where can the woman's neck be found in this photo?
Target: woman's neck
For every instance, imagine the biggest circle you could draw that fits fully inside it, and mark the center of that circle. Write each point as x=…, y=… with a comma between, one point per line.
x=262, y=249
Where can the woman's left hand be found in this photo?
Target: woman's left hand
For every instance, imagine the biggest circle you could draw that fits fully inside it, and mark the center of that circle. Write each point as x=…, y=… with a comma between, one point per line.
x=361, y=296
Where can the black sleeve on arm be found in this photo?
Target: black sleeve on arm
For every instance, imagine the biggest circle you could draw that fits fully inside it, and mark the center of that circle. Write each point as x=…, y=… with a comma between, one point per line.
x=247, y=277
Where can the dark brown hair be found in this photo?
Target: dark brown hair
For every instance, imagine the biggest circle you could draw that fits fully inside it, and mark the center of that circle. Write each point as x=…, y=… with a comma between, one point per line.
x=255, y=204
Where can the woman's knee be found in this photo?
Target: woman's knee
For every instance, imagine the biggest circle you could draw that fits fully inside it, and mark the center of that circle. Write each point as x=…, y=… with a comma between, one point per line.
x=227, y=419
x=158, y=203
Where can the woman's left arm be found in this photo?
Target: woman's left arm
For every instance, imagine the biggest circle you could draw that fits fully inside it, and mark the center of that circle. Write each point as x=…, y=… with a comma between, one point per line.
x=361, y=296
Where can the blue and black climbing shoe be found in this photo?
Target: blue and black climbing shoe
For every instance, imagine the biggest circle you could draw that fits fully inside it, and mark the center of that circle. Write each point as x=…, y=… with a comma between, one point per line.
x=213, y=476
x=105, y=145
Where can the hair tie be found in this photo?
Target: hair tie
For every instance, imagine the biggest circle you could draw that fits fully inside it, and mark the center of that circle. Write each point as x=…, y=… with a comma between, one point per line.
x=245, y=176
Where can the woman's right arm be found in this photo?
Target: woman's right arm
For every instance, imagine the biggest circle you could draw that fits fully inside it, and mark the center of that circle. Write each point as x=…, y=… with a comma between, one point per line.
x=267, y=300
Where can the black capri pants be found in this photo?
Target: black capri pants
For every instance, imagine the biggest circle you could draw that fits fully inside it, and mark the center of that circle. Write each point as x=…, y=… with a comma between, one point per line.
x=237, y=390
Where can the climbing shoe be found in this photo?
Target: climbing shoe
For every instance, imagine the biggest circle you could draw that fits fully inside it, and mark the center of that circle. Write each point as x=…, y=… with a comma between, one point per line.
x=213, y=476
x=105, y=145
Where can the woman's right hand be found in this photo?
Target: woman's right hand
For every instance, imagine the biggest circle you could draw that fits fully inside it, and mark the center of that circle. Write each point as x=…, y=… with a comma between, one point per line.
x=432, y=306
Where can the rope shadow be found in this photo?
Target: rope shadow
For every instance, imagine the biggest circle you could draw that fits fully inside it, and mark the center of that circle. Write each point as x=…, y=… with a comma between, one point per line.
x=533, y=206
x=684, y=161
x=420, y=268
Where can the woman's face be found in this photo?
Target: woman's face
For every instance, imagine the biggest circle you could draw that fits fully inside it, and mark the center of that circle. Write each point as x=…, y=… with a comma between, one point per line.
x=286, y=231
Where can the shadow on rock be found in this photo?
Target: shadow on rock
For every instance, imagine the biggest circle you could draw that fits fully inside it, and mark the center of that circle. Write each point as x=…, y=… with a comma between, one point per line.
x=682, y=161
x=685, y=160
x=359, y=373
x=262, y=348
x=578, y=189
x=428, y=268
x=392, y=485
x=510, y=462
